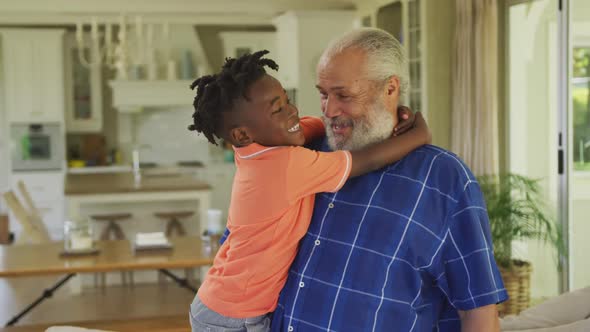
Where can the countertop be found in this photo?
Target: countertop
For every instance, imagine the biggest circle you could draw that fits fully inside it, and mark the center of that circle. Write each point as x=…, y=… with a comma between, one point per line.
x=117, y=183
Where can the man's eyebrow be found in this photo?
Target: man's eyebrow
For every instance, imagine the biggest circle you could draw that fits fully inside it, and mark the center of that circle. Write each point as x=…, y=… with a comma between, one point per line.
x=337, y=88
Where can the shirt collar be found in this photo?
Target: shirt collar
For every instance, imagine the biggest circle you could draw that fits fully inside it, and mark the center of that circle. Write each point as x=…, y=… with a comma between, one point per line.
x=252, y=150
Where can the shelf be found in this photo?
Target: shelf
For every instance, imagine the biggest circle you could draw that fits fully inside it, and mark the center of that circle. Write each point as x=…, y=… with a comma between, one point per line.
x=133, y=96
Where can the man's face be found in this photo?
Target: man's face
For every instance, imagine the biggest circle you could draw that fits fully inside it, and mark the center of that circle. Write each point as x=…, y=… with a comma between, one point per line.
x=357, y=111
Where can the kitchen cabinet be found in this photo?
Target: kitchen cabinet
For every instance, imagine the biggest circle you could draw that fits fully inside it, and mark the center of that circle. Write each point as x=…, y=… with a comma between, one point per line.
x=47, y=192
x=34, y=75
x=83, y=90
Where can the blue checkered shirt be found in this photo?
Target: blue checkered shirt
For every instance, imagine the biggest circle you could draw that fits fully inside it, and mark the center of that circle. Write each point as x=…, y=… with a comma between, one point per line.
x=399, y=249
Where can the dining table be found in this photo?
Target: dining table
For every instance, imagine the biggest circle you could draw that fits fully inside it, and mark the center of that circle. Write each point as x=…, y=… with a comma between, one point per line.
x=19, y=261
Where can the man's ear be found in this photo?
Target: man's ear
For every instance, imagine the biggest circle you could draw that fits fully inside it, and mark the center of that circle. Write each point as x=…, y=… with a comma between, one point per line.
x=239, y=136
x=392, y=86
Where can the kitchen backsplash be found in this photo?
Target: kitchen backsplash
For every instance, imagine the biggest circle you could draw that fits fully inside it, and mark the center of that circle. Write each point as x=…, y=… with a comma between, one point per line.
x=164, y=136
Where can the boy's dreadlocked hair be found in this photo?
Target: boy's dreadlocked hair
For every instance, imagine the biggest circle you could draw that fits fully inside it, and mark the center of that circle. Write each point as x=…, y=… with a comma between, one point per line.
x=218, y=93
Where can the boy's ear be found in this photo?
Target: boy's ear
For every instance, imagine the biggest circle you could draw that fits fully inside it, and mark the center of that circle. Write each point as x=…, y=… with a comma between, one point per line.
x=240, y=136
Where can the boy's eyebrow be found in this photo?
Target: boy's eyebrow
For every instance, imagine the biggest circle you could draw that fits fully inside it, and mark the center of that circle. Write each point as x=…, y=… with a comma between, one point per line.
x=274, y=100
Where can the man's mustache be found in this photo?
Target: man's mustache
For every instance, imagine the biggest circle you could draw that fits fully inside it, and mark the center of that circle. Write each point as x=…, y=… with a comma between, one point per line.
x=337, y=121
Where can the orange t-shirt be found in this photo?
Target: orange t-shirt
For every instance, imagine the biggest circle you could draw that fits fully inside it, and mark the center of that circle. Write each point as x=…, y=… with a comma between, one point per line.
x=271, y=207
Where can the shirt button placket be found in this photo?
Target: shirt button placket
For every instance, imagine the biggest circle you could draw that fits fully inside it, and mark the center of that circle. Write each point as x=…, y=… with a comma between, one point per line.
x=290, y=329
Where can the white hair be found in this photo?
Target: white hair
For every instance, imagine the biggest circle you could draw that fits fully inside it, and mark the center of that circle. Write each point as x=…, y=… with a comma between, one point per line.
x=386, y=57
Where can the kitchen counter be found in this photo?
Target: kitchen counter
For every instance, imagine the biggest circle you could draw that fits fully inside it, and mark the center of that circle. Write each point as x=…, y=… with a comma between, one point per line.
x=117, y=183
x=114, y=193
x=88, y=194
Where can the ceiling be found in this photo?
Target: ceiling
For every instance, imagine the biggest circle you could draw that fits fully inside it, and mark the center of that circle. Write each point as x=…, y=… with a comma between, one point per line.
x=45, y=12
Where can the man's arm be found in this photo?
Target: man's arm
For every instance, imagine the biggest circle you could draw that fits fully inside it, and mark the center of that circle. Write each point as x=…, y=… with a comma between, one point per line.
x=482, y=319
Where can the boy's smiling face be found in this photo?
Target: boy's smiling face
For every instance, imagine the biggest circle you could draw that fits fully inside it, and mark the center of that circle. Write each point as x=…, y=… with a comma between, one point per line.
x=267, y=118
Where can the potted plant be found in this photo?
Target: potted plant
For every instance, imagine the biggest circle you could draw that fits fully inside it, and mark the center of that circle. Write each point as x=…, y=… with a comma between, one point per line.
x=517, y=211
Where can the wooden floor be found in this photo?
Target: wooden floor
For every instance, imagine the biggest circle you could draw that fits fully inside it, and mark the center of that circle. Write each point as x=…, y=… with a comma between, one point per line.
x=112, y=304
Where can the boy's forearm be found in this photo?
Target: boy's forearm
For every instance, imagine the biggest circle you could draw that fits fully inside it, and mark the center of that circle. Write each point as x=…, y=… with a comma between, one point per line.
x=386, y=152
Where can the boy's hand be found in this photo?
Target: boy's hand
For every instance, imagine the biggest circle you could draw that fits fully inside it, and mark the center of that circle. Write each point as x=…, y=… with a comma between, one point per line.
x=406, y=119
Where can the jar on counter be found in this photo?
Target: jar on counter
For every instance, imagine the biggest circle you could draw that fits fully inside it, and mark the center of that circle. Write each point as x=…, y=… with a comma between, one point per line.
x=77, y=236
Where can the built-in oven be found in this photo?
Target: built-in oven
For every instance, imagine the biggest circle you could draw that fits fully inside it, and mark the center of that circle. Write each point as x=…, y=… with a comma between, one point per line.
x=36, y=147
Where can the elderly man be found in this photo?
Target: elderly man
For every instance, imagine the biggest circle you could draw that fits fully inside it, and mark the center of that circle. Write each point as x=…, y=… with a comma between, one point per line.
x=405, y=248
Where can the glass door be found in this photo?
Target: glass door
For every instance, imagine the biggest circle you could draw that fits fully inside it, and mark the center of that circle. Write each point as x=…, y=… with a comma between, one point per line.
x=532, y=122
x=548, y=121
x=578, y=196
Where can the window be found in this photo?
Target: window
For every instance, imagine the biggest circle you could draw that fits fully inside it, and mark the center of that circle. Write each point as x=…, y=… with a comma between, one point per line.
x=581, y=107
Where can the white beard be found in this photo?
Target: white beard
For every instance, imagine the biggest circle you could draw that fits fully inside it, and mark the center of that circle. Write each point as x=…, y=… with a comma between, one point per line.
x=374, y=127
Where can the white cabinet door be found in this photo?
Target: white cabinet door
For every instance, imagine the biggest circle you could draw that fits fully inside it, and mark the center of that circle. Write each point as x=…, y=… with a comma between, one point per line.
x=18, y=59
x=33, y=67
x=43, y=186
x=47, y=192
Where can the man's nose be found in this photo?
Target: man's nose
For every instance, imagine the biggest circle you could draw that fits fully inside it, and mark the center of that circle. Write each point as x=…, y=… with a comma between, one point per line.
x=331, y=109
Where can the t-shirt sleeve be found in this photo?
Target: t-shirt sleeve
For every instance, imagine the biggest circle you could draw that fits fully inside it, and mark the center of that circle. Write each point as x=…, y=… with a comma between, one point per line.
x=313, y=128
x=469, y=276
x=309, y=172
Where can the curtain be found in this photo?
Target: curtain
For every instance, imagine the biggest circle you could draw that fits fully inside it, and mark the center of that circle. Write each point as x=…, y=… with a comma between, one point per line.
x=474, y=135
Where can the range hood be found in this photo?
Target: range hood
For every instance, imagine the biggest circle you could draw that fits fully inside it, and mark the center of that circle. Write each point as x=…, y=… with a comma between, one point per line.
x=134, y=96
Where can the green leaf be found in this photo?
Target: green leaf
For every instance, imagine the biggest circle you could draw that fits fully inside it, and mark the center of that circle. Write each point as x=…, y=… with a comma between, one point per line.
x=518, y=211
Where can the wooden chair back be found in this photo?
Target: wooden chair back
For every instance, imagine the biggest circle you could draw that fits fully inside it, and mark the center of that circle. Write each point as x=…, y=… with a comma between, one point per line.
x=32, y=233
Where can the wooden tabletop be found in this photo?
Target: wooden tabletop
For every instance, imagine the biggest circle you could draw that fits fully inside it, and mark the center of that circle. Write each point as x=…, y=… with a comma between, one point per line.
x=114, y=183
x=45, y=259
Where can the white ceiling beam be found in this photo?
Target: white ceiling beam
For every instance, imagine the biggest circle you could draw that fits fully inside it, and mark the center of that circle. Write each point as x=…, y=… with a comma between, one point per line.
x=76, y=7
x=201, y=19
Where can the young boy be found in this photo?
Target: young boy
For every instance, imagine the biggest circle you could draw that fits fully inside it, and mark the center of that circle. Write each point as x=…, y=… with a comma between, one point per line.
x=273, y=190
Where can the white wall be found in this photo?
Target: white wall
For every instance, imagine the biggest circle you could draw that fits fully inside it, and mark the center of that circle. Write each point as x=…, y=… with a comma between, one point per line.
x=314, y=35
x=302, y=37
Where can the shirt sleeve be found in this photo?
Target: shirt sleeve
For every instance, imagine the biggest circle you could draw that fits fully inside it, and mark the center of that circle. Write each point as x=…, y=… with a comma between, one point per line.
x=309, y=172
x=224, y=236
x=469, y=276
x=313, y=128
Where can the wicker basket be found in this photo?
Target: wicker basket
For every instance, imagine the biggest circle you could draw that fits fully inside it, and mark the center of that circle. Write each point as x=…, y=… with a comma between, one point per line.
x=517, y=281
